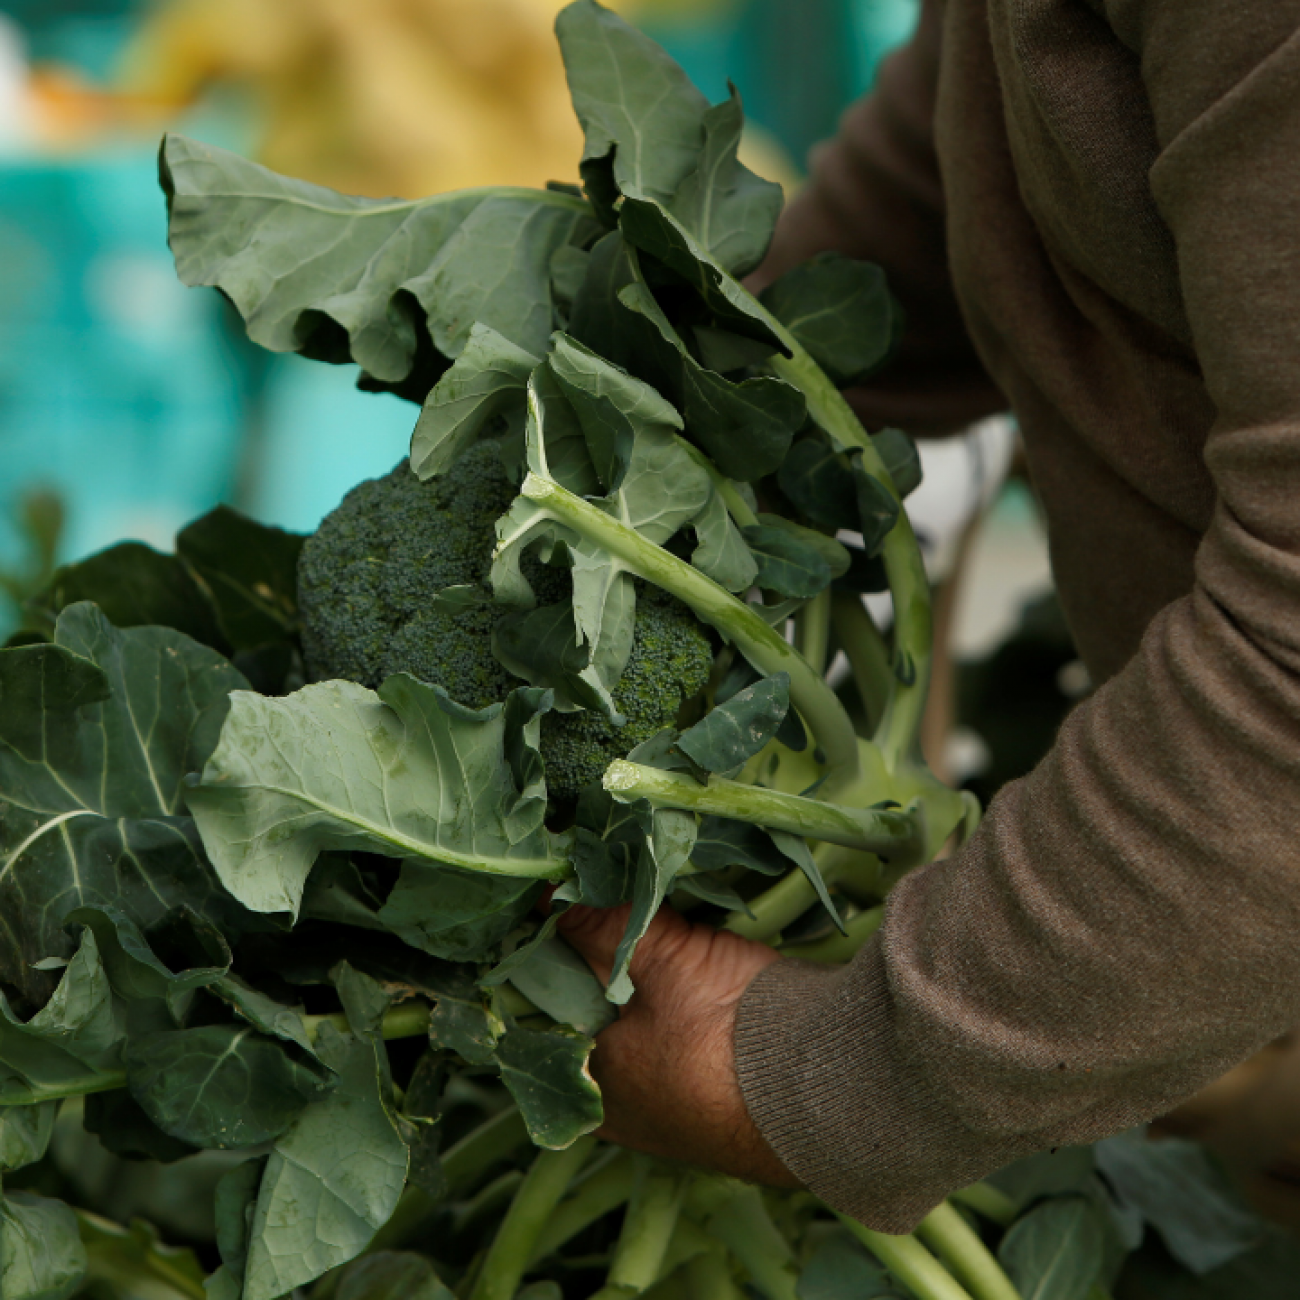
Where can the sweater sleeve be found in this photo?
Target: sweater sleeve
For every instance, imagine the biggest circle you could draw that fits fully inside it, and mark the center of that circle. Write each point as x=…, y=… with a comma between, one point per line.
x=1123, y=927
x=874, y=193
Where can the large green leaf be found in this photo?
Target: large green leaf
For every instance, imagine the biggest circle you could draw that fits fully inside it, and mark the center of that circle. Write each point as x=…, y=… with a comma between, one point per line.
x=558, y=981
x=841, y=311
x=820, y=483
x=25, y=1133
x=840, y=1269
x=453, y=914
x=220, y=1086
x=1055, y=1251
x=404, y=772
x=488, y=375
x=789, y=563
x=649, y=132
x=1178, y=1188
x=331, y=1181
x=733, y=732
x=721, y=552
x=134, y=586
x=643, y=119
x=394, y=286
x=97, y=733
x=41, y=1255
x=391, y=1275
x=546, y=1072
x=251, y=571
x=745, y=427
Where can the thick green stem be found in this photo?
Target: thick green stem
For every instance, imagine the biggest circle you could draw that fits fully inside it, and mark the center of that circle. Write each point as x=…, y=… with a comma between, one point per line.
x=647, y=1228
x=837, y=948
x=891, y=833
x=406, y=1020
x=709, y=1277
x=736, y=1216
x=599, y=1194
x=900, y=727
x=867, y=653
x=462, y=1165
x=534, y=1203
x=986, y=1200
x=967, y=1257
x=910, y=1263
x=813, y=631
x=765, y=648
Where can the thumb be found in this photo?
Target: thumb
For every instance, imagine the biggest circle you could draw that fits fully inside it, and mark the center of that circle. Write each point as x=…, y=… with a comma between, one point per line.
x=594, y=933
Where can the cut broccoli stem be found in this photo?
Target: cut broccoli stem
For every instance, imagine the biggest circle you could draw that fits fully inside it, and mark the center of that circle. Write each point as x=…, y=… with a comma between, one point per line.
x=545, y=1183
x=867, y=653
x=892, y=833
x=647, y=1228
x=968, y=1259
x=813, y=630
x=909, y=1262
x=765, y=648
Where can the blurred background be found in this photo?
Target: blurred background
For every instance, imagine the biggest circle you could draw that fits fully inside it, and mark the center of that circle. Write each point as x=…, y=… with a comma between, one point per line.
x=129, y=405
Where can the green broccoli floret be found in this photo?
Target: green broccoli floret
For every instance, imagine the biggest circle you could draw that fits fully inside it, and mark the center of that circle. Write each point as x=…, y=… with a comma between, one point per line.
x=366, y=582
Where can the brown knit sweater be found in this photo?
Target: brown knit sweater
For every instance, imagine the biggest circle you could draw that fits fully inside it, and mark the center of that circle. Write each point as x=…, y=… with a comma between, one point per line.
x=1089, y=207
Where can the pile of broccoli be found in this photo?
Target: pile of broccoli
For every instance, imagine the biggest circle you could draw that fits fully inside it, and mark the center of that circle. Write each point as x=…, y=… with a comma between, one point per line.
x=367, y=581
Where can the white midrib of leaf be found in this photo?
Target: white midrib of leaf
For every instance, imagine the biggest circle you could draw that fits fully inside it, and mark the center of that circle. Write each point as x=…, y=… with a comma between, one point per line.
x=217, y=1063
x=53, y=824
x=550, y=198
x=521, y=868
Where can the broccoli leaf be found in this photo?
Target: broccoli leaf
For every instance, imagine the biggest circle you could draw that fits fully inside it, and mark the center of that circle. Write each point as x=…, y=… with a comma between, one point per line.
x=41, y=1255
x=25, y=1133
x=795, y=847
x=456, y=915
x=463, y=1021
x=746, y=428
x=820, y=484
x=393, y=286
x=220, y=1086
x=789, y=563
x=489, y=375
x=877, y=508
x=556, y=979
x=901, y=458
x=732, y=733
x=722, y=552
x=251, y=571
x=331, y=1181
x=391, y=1275
x=546, y=1072
x=1056, y=1249
x=406, y=773
x=841, y=311
x=134, y=586
x=97, y=732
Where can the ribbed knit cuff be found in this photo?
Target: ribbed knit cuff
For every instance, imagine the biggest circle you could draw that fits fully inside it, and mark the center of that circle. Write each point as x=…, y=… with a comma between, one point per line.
x=824, y=1079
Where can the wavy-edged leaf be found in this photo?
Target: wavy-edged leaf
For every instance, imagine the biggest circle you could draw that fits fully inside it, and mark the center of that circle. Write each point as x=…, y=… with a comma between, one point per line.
x=1055, y=1251
x=134, y=586
x=456, y=915
x=722, y=842
x=558, y=981
x=747, y=427
x=25, y=1133
x=546, y=1072
x=489, y=375
x=841, y=311
x=733, y=732
x=788, y=563
x=721, y=552
x=463, y=1020
x=331, y=1181
x=394, y=286
x=820, y=483
x=642, y=117
x=220, y=1086
x=730, y=210
x=251, y=571
x=404, y=771
x=41, y=1255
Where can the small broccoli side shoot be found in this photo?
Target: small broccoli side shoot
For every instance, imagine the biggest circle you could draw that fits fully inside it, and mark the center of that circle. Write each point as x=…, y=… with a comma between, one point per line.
x=367, y=583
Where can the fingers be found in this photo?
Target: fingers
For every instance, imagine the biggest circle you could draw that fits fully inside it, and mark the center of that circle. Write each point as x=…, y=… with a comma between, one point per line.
x=594, y=933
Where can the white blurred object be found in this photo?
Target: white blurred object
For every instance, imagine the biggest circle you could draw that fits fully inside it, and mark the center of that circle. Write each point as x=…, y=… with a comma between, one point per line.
x=15, y=104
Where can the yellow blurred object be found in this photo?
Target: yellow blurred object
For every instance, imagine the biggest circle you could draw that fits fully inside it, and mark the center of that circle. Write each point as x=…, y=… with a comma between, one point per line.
x=390, y=97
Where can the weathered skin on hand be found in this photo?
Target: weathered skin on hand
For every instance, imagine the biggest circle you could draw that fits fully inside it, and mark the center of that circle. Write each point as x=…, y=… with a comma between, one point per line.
x=666, y=1066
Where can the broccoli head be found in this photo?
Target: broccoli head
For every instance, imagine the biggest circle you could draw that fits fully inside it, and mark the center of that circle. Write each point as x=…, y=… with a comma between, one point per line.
x=366, y=586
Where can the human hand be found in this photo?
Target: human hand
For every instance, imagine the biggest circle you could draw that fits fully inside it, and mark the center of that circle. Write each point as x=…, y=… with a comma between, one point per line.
x=666, y=1067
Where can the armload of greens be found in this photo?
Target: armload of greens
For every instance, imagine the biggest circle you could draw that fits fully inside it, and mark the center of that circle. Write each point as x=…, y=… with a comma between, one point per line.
x=277, y=811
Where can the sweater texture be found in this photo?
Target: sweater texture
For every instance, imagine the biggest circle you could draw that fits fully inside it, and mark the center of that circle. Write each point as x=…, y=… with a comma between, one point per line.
x=1088, y=209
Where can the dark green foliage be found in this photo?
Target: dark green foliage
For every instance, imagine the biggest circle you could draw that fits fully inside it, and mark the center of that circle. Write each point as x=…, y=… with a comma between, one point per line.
x=368, y=584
